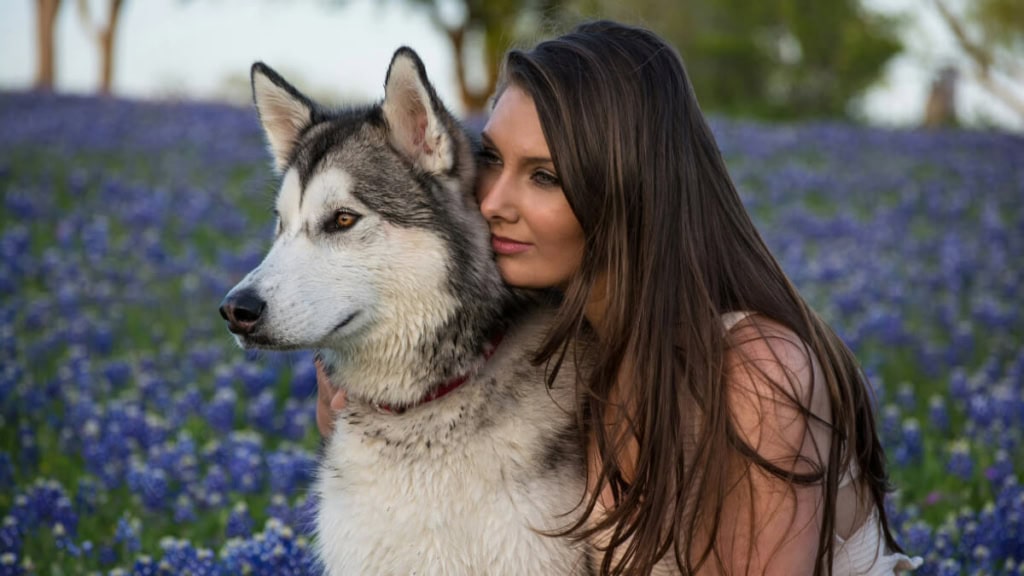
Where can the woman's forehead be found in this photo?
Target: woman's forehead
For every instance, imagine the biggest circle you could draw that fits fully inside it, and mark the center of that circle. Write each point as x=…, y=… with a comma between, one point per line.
x=514, y=125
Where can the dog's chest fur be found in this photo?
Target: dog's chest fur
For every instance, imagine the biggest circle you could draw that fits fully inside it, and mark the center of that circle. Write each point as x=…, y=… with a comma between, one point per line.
x=460, y=485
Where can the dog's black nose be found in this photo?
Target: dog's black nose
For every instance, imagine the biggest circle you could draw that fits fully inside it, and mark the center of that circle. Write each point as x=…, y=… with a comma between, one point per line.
x=242, y=310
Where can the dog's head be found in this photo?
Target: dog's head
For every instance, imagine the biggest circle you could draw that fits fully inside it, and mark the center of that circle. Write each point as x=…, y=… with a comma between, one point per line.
x=377, y=228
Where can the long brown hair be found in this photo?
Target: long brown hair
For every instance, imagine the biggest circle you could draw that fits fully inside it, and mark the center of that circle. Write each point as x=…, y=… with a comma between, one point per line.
x=669, y=241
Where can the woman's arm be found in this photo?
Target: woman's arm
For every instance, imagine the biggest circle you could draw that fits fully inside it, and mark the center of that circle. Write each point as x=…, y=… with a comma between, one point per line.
x=769, y=526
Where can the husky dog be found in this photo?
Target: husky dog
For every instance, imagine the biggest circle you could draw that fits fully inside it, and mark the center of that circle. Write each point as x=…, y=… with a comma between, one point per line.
x=452, y=455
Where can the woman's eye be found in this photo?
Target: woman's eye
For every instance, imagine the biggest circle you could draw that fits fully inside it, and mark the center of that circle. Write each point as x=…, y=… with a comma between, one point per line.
x=343, y=220
x=488, y=157
x=546, y=179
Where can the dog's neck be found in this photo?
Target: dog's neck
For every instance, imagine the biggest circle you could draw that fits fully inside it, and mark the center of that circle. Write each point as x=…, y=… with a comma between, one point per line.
x=401, y=367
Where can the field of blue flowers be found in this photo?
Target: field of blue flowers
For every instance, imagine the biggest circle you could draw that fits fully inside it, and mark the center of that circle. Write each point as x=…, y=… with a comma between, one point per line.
x=135, y=438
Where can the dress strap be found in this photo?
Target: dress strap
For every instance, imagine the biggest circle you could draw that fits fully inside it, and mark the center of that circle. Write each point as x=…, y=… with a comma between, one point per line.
x=730, y=319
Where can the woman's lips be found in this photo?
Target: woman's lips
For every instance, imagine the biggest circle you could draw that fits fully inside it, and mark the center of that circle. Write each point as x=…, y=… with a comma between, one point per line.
x=507, y=247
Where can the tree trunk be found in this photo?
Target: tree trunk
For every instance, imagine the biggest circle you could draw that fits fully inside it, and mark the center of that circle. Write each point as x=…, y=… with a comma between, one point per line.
x=473, y=101
x=106, y=42
x=46, y=18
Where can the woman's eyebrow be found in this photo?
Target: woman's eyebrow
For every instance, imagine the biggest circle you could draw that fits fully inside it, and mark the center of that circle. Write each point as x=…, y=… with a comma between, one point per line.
x=527, y=161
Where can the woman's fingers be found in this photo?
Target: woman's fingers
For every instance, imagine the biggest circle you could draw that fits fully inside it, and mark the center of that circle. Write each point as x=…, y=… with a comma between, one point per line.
x=339, y=400
x=327, y=400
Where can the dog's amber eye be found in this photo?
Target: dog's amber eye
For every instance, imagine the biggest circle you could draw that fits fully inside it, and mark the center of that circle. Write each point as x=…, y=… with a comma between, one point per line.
x=345, y=220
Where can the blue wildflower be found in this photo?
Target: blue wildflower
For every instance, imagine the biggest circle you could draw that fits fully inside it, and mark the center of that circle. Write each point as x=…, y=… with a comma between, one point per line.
x=937, y=413
x=960, y=463
x=240, y=523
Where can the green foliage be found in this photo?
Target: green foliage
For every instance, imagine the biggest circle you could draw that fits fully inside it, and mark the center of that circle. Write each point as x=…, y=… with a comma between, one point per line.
x=773, y=59
x=1002, y=22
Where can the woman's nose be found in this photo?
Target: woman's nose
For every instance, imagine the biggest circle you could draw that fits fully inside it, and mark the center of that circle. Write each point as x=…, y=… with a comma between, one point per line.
x=497, y=198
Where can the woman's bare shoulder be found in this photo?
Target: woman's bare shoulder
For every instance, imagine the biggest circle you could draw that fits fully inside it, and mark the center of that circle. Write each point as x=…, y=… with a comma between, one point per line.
x=773, y=377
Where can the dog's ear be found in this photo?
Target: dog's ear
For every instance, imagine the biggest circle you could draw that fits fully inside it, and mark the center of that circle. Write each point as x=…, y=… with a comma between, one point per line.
x=415, y=115
x=284, y=112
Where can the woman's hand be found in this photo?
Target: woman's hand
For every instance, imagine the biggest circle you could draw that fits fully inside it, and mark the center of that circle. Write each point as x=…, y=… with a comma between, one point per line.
x=329, y=400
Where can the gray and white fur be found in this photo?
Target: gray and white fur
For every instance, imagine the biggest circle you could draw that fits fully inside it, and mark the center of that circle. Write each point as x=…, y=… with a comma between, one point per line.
x=400, y=301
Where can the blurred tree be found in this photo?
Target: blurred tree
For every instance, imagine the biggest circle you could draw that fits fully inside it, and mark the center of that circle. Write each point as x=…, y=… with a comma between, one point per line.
x=940, y=108
x=991, y=34
x=46, y=19
x=487, y=28
x=771, y=58
x=104, y=35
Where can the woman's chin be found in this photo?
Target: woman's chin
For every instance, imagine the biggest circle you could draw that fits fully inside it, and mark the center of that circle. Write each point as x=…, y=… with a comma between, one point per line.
x=522, y=274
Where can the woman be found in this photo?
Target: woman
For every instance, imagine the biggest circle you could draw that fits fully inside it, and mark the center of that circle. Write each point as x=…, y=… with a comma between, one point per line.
x=730, y=430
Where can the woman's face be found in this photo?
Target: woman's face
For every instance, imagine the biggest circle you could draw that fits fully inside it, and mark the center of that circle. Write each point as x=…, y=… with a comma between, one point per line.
x=536, y=238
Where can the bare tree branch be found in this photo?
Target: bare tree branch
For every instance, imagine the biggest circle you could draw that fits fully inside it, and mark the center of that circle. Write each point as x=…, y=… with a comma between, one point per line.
x=980, y=56
x=982, y=59
x=85, y=19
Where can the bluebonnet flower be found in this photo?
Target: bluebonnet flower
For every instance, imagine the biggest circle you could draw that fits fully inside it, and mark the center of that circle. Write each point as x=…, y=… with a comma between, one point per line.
x=256, y=379
x=106, y=555
x=6, y=472
x=220, y=412
x=1001, y=469
x=278, y=508
x=65, y=542
x=180, y=557
x=149, y=484
x=145, y=566
x=215, y=487
x=262, y=411
x=304, y=513
x=28, y=449
x=9, y=565
x=239, y=522
x=906, y=397
x=127, y=534
x=11, y=535
x=290, y=469
x=938, y=414
x=297, y=420
x=960, y=463
x=303, y=385
x=188, y=403
x=184, y=509
x=891, y=422
x=917, y=538
x=274, y=551
x=980, y=410
x=87, y=496
x=959, y=386
x=949, y=567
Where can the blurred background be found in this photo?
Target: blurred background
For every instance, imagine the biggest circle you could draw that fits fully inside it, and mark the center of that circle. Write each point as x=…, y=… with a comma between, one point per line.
x=883, y=62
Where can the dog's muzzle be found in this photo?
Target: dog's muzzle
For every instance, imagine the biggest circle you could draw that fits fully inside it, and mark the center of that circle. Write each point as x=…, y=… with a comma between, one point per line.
x=242, y=310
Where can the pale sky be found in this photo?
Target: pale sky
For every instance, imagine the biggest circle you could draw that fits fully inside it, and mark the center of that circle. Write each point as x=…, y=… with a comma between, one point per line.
x=204, y=48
